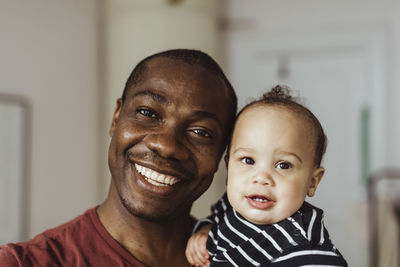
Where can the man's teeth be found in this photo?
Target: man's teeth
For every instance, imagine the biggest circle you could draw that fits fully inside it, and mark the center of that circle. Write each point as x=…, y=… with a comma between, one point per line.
x=156, y=178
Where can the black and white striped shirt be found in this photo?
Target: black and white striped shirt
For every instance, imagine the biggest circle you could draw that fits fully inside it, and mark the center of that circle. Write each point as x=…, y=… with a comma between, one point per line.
x=300, y=240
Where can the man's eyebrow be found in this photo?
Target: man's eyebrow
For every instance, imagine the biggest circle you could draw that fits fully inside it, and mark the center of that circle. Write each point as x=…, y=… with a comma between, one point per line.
x=196, y=113
x=206, y=114
x=155, y=96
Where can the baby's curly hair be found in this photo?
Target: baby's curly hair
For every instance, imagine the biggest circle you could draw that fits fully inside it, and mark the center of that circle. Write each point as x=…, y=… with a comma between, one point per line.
x=280, y=95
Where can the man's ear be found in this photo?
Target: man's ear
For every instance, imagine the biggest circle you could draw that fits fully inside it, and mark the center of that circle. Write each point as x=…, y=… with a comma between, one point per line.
x=315, y=179
x=226, y=159
x=117, y=111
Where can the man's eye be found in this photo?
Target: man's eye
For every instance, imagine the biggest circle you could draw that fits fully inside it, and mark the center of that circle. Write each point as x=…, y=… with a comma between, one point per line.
x=202, y=133
x=247, y=161
x=283, y=165
x=147, y=113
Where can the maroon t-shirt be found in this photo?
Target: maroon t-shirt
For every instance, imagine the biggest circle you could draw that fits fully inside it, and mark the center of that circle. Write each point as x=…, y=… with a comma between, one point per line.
x=81, y=242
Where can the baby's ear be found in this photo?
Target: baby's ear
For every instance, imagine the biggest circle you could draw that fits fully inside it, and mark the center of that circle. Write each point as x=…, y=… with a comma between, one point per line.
x=315, y=179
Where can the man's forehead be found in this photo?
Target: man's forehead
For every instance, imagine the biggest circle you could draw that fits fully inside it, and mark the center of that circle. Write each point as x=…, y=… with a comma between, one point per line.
x=160, y=61
x=169, y=64
x=163, y=72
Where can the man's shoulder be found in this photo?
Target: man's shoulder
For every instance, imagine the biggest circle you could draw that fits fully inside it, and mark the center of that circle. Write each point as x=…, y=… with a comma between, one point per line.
x=7, y=258
x=71, y=230
x=82, y=241
x=52, y=244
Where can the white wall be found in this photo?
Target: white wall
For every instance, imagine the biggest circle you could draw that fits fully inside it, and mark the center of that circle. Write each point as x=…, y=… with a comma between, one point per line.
x=48, y=54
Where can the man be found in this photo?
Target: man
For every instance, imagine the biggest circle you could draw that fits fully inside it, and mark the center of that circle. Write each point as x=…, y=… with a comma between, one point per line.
x=168, y=133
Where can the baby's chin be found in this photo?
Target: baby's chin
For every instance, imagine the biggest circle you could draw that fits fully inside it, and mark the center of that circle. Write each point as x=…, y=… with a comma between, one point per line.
x=260, y=219
x=265, y=217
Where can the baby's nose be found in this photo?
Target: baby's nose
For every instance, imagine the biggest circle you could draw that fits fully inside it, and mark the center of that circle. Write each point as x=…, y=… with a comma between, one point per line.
x=263, y=179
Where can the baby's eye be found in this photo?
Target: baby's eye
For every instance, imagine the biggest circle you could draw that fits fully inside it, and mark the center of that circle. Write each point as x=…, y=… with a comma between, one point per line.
x=283, y=165
x=248, y=161
x=147, y=113
x=202, y=133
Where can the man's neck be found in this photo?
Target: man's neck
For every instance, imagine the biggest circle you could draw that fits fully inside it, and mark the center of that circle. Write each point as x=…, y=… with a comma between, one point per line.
x=154, y=243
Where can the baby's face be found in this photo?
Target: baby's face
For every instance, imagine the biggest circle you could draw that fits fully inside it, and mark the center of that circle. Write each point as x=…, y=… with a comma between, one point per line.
x=271, y=165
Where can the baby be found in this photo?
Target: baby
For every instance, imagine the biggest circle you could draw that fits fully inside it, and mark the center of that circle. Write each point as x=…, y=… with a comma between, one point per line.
x=273, y=163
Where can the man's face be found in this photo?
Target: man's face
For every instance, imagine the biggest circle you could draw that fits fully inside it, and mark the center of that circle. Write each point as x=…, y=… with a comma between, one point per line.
x=271, y=165
x=167, y=138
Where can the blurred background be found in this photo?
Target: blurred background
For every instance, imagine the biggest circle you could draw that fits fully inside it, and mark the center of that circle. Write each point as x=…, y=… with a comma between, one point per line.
x=63, y=64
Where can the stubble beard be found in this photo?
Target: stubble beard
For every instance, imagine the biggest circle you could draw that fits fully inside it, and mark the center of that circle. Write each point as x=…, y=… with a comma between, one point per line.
x=140, y=212
x=136, y=211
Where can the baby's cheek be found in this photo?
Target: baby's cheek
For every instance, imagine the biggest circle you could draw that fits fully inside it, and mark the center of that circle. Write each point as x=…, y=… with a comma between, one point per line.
x=294, y=199
x=234, y=195
x=236, y=189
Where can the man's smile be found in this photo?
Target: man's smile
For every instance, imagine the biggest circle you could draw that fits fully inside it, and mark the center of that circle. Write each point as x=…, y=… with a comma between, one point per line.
x=156, y=178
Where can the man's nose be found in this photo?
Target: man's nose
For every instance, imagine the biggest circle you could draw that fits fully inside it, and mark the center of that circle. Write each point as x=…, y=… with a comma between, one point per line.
x=263, y=178
x=167, y=144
